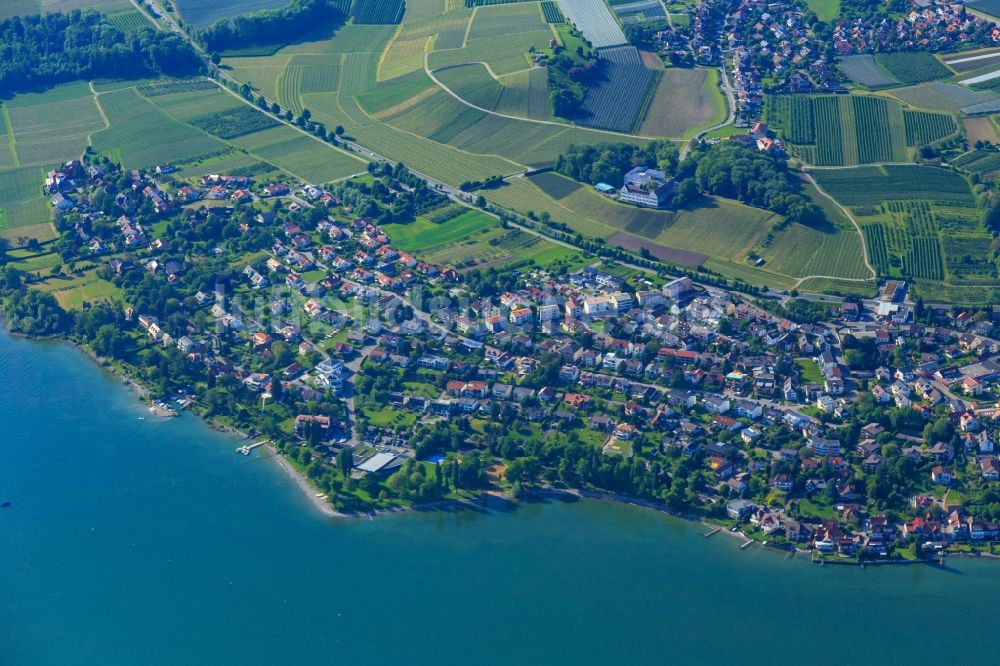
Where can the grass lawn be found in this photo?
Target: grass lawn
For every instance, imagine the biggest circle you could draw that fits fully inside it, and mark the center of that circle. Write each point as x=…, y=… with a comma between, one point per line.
x=685, y=101
x=387, y=417
x=810, y=371
x=313, y=276
x=826, y=10
x=813, y=509
x=72, y=292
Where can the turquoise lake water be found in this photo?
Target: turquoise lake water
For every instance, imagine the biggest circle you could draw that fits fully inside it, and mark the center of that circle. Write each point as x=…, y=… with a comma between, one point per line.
x=150, y=541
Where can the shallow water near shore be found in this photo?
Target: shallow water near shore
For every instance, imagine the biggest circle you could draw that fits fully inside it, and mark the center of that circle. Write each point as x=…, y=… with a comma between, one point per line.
x=150, y=541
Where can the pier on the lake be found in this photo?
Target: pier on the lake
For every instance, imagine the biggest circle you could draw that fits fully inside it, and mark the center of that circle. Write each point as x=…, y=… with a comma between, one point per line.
x=245, y=450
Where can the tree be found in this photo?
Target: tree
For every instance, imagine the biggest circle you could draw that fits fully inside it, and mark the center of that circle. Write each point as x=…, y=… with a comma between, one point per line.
x=345, y=461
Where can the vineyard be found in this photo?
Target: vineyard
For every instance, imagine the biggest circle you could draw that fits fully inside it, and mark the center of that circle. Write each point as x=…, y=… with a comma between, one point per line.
x=841, y=130
x=377, y=12
x=870, y=186
x=234, y=122
x=968, y=257
x=829, y=142
x=595, y=21
x=793, y=113
x=923, y=128
x=863, y=70
x=924, y=259
x=878, y=249
x=617, y=101
x=174, y=87
x=551, y=12
x=911, y=68
x=984, y=162
x=128, y=21
x=871, y=116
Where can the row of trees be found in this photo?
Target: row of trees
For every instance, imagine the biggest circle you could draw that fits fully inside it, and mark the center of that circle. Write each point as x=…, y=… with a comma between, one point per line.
x=47, y=49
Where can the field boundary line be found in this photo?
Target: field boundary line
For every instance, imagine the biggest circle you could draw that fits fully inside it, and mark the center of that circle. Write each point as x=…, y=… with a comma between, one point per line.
x=100, y=110
x=468, y=29
x=385, y=51
x=857, y=227
x=9, y=128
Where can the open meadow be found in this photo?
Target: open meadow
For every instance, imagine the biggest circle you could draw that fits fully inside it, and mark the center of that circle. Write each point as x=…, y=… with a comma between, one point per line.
x=473, y=239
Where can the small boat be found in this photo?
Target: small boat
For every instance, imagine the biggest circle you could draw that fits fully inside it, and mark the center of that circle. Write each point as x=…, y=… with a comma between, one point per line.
x=4, y=505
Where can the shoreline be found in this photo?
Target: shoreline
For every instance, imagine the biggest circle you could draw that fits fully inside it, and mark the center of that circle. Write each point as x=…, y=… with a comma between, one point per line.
x=304, y=484
x=312, y=493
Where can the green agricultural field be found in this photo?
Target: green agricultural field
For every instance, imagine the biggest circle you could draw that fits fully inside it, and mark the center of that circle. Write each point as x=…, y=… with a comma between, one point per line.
x=524, y=94
x=722, y=233
x=845, y=129
x=301, y=155
x=924, y=128
x=423, y=233
x=203, y=14
x=684, y=102
x=921, y=224
x=868, y=186
x=910, y=68
x=942, y=96
x=482, y=120
x=21, y=200
x=142, y=135
x=863, y=69
x=52, y=126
